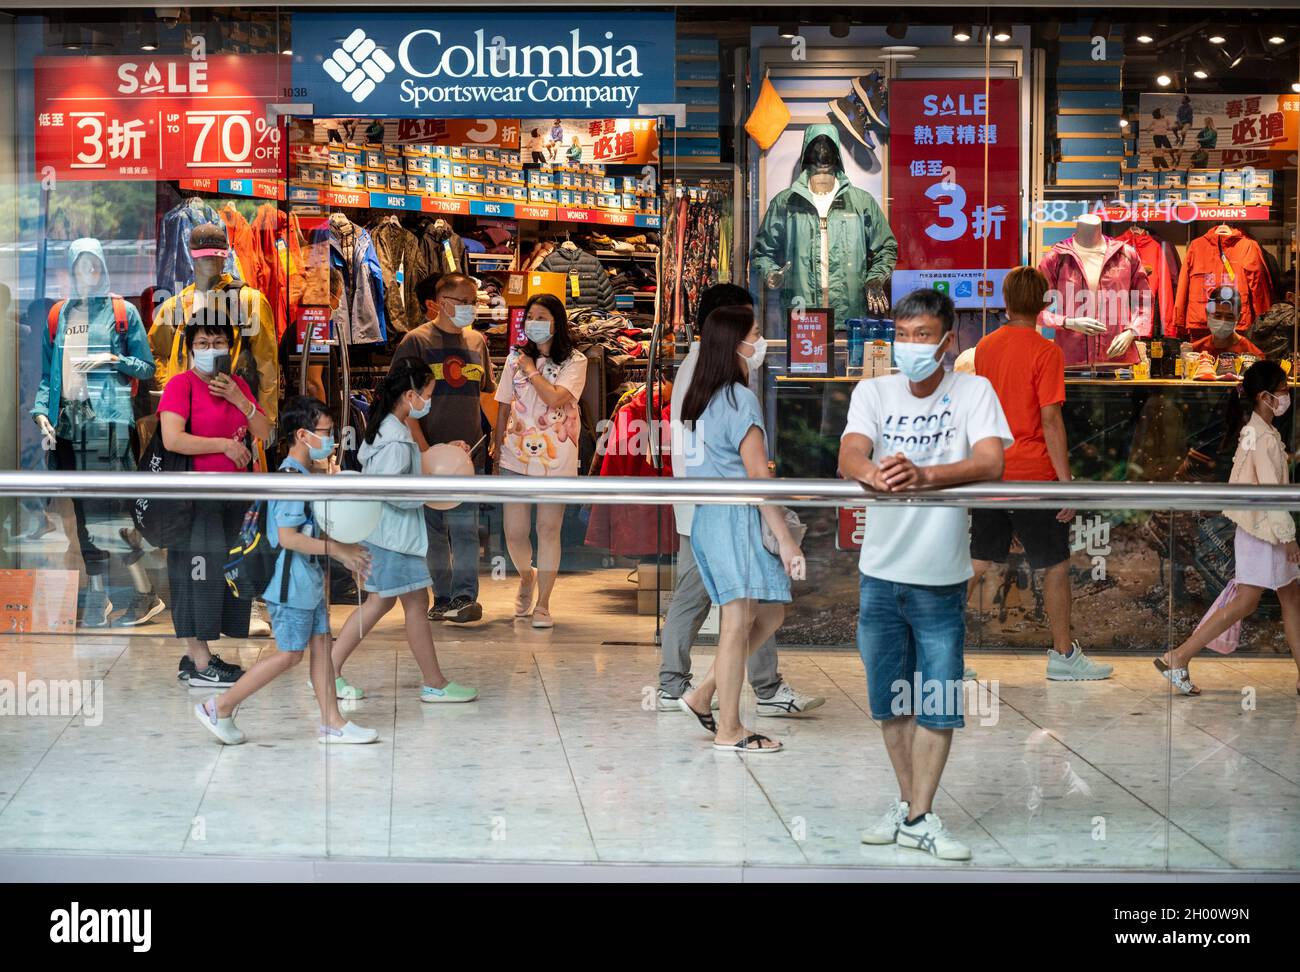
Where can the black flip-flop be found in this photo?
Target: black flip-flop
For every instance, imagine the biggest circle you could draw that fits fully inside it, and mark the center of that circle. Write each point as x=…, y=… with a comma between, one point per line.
x=707, y=721
x=743, y=746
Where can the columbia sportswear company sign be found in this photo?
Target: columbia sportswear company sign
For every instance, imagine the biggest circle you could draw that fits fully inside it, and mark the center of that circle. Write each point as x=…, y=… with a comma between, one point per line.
x=453, y=65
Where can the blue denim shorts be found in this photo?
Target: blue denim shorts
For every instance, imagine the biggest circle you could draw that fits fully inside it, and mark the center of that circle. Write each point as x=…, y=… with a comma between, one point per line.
x=912, y=641
x=393, y=573
x=293, y=627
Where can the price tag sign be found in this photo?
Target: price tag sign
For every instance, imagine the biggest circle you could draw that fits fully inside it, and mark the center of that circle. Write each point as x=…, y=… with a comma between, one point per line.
x=809, y=354
x=158, y=117
x=851, y=524
x=316, y=321
x=517, y=336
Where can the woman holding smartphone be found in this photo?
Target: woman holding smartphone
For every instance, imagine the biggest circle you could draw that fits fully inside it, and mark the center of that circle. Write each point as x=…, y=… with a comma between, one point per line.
x=211, y=416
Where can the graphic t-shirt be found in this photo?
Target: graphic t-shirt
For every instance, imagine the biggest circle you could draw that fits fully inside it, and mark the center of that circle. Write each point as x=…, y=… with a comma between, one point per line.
x=76, y=344
x=1027, y=372
x=540, y=440
x=462, y=368
x=215, y=418
x=922, y=544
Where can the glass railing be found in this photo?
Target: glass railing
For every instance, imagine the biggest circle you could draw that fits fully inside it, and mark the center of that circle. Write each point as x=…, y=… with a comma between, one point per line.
x=540, y=723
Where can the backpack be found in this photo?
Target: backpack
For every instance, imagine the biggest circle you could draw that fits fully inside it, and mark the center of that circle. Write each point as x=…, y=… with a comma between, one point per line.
x=251, y=563
x=162, y=522
x=119, y=317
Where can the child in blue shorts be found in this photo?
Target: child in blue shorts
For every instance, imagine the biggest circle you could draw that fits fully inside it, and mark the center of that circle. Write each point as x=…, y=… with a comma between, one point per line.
x=299, y=614
x=398, y=569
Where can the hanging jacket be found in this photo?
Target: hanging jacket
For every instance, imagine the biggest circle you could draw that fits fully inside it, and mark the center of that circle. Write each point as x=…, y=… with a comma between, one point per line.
x=360, y=315
x=1161, y=263
x=634, y=530
x=434, y=247
x=1274, y=331
x=862, y=247
x=1213, y=261
x=1123, y=300
x=240, y=235
x=594, y=288
x=272, y=253
x=255, y=355
x=394, y=453
x=109, y=390
x=398, y=250
x=175, y=265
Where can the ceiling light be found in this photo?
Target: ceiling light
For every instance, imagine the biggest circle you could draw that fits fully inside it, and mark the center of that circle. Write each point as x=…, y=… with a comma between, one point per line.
x=898, y=28
x=1295, y=86
x=287, y=52
x=148, y=35
x=1277, y=39
x=1123, y=123
x=961, y=33
x=1146, y=34
x=900, y=48
x=1218, y=39
x=840, y=26
x=1201, y=74
x=1232, y=59
x=1164, y=80
x=789, y=29
x=1002, y=33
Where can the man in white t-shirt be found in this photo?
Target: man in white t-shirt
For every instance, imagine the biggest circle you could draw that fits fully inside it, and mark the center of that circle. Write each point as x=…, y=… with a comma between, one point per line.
x=919, y=429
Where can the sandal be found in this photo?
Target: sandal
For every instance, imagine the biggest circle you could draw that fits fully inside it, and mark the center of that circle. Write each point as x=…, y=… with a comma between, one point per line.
x=524, y=599
x=743, y=745
x=706, y=720
x=1180, y=679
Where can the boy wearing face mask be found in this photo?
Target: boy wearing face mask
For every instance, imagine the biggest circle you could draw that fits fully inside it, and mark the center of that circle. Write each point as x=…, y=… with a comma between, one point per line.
x=462, y=371
x=1222, y=312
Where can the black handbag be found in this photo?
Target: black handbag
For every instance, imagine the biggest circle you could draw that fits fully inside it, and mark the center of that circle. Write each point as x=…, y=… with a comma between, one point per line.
x=163, y=522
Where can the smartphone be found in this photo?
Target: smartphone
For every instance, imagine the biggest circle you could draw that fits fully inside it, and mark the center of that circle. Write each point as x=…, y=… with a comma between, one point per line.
x=223, y=364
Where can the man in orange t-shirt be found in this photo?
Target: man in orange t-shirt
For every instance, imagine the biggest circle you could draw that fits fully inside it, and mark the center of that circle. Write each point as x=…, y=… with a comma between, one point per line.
x=1222, y=312
x=1028, y=373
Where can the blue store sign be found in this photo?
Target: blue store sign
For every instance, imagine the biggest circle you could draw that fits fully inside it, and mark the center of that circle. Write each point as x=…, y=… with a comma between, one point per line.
x=468, y=65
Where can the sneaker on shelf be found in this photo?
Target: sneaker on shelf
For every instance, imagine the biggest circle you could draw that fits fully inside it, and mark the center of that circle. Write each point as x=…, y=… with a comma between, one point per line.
x=1075, y=667
x=451, y=692
x=928, y=834
x=785, y=701
x=873, y=91
x=440, y=605
x=886, y=829
x=142, y=609
x=227, y=733
x=350, y=735
x=216, y=675
x=98, y=608
x=1204, y=370
x=258, y=626
x=851, y=112
x=668, y=703
x=462, y=610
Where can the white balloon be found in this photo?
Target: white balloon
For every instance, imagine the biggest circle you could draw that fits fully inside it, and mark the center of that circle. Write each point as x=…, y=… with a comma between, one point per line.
x=347, y=521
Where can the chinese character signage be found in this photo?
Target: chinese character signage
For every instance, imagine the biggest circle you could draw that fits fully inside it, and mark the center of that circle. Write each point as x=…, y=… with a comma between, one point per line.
x=942, y=131
x=1214, y=131
x=164, y=117
x=466, y=65
x=491, y=132
x=808, y=350
x=622, y=141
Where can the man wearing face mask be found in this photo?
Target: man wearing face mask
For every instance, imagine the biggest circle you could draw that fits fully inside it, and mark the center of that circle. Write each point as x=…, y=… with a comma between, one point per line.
x=462, y=371
x=1222, y=312
x=824, y=241
x=919, y=429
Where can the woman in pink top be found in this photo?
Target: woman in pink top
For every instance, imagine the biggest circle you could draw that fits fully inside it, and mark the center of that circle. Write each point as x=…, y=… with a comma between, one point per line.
x=209, y=415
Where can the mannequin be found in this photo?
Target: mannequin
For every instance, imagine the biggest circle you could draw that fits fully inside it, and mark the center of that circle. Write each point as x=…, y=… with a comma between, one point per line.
x=256, y=353
x=94, y=351
x=825, y=242
x=1103, y=297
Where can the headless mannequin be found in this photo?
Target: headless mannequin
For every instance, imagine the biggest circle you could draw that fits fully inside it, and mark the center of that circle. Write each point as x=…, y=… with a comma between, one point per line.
x=1088, y=236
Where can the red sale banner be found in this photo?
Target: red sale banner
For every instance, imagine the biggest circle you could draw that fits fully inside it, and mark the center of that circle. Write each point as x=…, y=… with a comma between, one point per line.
x=808, y=351
x=954, y=179
x=165, y=117
x=851, y=525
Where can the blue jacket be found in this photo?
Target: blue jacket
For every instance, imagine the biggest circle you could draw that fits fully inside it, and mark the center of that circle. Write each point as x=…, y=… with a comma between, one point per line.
x=394, y=453
x=175, y=265
x=109, y=390
x=360, y=315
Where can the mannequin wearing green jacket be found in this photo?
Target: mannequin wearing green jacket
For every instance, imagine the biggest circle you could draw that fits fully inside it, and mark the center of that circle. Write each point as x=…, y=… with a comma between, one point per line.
x=841, y=260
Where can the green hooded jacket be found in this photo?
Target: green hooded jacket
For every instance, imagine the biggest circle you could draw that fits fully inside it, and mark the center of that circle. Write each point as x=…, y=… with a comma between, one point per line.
x=862, y=246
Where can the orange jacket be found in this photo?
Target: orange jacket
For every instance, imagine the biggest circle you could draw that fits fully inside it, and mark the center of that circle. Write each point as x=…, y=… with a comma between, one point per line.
x=1215, y=260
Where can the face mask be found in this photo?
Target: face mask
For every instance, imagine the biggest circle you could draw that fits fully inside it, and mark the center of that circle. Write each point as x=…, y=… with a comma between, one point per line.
x=538, y=331
x=916, y=361
x=1222, y=330
x=463, y=316
x=423, y=410
x=323, y=450
x=755, y=361
x=1281, y=403
x=205, y=360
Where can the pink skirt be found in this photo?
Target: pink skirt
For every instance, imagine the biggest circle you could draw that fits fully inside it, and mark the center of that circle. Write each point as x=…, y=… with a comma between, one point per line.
x=1263, y=564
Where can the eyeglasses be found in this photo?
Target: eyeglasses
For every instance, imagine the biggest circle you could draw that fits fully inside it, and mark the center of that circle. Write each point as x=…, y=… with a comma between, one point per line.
x=328, y=430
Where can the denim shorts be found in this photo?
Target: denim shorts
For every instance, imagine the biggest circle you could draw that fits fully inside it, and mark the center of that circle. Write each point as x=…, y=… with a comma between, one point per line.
x=293, y=627
x=912, y=640
x=393, y=573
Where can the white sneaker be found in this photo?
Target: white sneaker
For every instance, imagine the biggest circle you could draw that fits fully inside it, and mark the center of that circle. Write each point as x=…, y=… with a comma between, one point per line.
x=787, y=702
x=350, y=735
x=928, y=834
x=1075, y=667
x=886, y=829
x=225, y=729
x=258, y=626
x=668, y=703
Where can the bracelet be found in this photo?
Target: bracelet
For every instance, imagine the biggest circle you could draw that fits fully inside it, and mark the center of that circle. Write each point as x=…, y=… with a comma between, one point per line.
x=251, y=410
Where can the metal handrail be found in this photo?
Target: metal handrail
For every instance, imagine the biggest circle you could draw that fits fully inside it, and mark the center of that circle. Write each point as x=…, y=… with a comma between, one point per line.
x=642, y=490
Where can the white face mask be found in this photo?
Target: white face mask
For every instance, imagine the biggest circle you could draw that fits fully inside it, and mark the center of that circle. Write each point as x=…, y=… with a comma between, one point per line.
x=1281, y=403
x=755, y=361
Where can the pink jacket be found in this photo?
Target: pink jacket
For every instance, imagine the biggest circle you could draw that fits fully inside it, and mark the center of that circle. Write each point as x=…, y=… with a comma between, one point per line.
x=1123, y=300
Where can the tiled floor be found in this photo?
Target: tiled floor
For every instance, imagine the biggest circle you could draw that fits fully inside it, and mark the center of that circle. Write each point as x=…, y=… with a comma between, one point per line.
x=561, y=759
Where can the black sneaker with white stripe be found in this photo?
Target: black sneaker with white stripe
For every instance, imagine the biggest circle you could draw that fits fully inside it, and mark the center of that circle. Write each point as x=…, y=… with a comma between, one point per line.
x=218, y=674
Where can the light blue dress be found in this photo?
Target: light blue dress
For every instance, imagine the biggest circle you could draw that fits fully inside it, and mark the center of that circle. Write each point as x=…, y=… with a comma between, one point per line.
x=728, y=540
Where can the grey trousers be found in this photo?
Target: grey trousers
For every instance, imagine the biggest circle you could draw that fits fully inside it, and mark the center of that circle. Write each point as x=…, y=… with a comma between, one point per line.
x=686, y=612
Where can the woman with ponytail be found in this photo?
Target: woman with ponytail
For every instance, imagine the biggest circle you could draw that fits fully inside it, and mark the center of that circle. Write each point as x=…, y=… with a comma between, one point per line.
x=398, y=571
x=1267, y=557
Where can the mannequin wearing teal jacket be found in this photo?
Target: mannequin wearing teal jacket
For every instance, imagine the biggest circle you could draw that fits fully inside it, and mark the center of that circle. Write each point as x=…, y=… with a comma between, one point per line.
x=861, y=249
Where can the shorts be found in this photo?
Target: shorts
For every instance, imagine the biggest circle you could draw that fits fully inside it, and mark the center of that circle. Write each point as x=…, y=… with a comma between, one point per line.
x=393, y=573
x=1045, y=538
x=912, y=639
x=294, y=627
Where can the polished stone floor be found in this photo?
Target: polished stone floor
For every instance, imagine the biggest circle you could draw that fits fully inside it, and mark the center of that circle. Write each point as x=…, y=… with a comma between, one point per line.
x=564, y=760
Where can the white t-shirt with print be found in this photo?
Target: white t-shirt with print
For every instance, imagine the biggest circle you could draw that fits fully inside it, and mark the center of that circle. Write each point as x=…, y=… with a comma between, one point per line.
x=540, y=440
x=922, y=544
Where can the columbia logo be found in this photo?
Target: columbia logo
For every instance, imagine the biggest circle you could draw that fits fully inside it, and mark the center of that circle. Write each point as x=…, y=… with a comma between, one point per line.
x=358, y=65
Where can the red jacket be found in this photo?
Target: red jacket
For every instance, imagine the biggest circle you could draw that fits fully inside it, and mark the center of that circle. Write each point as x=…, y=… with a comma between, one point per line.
x=1204, y=270
x=1160, y=261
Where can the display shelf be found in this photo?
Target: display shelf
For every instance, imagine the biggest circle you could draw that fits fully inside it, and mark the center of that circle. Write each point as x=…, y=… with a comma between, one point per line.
x=364, y=199
x=635, y=255
x=1186, y=213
